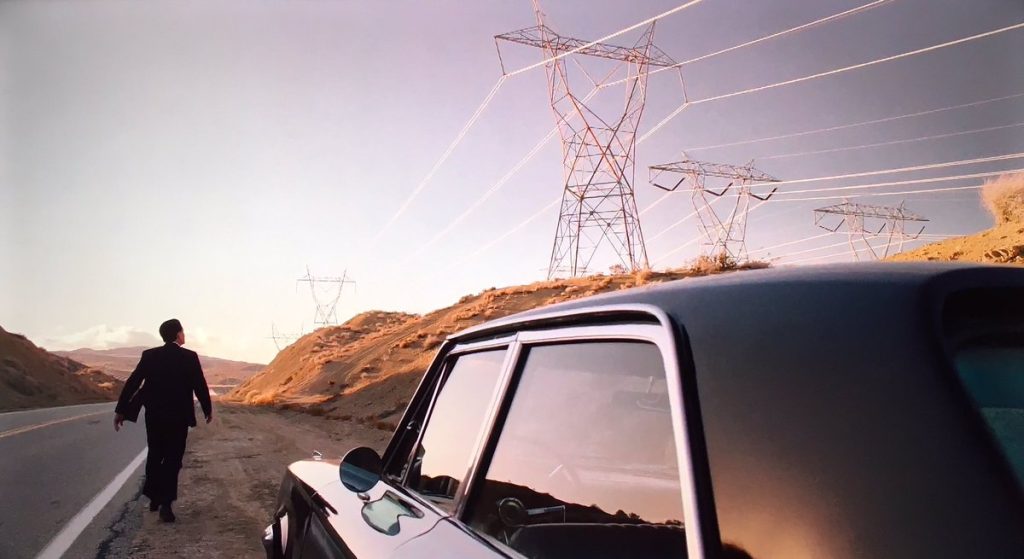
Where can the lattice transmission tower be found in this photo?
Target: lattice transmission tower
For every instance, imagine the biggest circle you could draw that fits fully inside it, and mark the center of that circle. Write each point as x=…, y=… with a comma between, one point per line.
x=870, y=226
x=282, y=340
x=326, y=293
x=723, y=232
x=598, y=146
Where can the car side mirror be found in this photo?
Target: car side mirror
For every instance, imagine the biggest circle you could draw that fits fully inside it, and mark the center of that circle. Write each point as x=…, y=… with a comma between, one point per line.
x=360, y=469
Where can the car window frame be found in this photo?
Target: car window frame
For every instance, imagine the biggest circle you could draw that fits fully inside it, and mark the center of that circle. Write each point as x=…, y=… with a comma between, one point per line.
x=662, y=333
x=625, y=322
x=439, y=375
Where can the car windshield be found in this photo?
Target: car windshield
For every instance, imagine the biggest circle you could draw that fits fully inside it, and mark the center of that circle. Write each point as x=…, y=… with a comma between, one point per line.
x=993, y=374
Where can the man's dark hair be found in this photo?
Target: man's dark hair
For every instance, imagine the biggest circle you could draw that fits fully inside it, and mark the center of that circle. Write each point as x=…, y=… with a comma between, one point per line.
x=169, y=329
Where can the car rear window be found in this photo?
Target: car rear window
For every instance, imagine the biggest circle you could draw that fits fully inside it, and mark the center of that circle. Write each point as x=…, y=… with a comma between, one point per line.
x=994, y=377
x=986, y=328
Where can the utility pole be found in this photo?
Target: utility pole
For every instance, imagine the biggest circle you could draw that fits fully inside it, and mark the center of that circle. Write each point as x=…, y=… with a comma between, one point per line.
x=725, y=232
x=598, y=147
x=326, y=293
x=861, y=220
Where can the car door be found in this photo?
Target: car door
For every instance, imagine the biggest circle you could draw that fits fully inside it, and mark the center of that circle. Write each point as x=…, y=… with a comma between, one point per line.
x=584, y=457
x=416, y=492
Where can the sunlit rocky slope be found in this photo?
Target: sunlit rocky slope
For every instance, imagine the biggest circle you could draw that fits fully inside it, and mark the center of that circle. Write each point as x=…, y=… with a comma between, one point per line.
x=31, y=377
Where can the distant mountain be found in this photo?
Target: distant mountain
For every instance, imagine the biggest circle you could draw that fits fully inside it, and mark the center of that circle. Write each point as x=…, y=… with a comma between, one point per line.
x=31, y=377
x=120, y=363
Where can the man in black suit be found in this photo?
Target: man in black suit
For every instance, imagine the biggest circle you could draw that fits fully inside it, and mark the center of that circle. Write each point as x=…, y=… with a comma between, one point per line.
x=163, y=382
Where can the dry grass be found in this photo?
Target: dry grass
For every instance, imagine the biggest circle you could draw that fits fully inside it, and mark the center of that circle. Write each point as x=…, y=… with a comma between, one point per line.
x=1003, y=197
x=720, y=262
x=1002, y=244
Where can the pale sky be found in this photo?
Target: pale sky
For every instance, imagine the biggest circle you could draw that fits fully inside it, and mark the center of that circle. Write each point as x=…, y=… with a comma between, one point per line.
x=189, y=159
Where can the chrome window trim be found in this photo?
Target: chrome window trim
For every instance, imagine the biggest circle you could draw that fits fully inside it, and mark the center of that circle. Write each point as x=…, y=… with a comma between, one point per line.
x=448, y=348
x=473, y=347
x=490, y=419
x=535, y=319
x=662, y=335
x=443, y=366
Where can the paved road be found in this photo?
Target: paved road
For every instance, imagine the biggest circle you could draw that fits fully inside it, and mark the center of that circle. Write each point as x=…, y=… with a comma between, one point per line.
x=53, y=462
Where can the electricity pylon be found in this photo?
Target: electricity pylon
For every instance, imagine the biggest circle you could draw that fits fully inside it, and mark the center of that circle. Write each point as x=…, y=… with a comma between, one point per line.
x=861, y=221
x=598, y=150
x=726, y=232
x=282, y=338
x=326, y=297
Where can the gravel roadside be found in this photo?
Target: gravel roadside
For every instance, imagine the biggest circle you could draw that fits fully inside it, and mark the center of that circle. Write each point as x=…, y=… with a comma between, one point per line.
x=229, y=483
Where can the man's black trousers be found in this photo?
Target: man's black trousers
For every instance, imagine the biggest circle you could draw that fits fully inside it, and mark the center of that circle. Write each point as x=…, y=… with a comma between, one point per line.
x=166, y=441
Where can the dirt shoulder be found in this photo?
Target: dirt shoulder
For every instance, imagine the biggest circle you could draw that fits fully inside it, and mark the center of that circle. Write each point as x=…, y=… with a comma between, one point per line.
x=229, y=482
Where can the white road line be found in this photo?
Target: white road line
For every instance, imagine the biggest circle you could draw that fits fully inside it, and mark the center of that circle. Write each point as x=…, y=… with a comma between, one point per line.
x=52, y=408
x=27, y=428
x=67, y=536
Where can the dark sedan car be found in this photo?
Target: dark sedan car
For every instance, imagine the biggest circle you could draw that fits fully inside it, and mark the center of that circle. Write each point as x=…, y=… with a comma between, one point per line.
x=860, y=411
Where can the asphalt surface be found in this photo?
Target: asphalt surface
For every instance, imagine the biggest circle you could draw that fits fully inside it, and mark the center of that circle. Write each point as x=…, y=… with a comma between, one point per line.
x=53, y=462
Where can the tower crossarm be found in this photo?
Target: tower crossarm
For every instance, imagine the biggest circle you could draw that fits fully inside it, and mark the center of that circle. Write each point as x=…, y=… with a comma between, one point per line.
x=708, y=169
x=542, y=36
x=870, y=211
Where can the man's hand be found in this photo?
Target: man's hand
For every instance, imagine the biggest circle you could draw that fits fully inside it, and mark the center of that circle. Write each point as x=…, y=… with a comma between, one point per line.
x=118, y=421
x=209, y=418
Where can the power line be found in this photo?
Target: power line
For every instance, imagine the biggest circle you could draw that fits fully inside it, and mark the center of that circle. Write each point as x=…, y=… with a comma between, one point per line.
x=833, y=255
x=688, y=217
x=804, y=240
x=502, y=181
x=444, y=157
x=723, y=234
x=901, y=193
x=586, y=46
x=509, y=233
x=807, y=78
x=776, y=35
x=856, y=217
x=891, y=142
x=894, y=183
x=827, y=256
x=601, y=86
x=494, y=90
x=855, y=124
x=846, y=252
x=805, y=251
x=1004, y=157
x=655, y=203
x=491, y=191
x=678, y=249
x=827, y=73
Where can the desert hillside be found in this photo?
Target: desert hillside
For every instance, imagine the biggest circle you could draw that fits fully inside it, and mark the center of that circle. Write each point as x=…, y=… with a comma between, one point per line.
x=31, y=377
x=367, y=368
x=1002, y=244
x=120, y=363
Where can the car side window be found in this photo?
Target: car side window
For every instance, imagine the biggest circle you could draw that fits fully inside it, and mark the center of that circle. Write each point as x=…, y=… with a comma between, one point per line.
x=456, y=420
x=585, y=461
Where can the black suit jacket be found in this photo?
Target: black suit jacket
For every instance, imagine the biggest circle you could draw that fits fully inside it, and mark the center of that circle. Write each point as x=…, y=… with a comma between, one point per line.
x=163, y=382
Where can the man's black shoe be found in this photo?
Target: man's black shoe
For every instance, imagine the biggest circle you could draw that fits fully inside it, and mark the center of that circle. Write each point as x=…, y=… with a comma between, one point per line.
x=154, y=506
x=166, y=514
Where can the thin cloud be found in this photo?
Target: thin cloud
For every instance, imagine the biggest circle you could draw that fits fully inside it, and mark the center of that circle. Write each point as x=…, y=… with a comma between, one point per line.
x=103, y=336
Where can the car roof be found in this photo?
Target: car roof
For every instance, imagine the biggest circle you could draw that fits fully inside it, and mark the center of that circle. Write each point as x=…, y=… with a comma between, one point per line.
x=750, y=293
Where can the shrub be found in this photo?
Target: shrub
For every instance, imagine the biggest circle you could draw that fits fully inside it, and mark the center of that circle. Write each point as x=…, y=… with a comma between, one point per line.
x=1003, y=197
x=705, y=264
